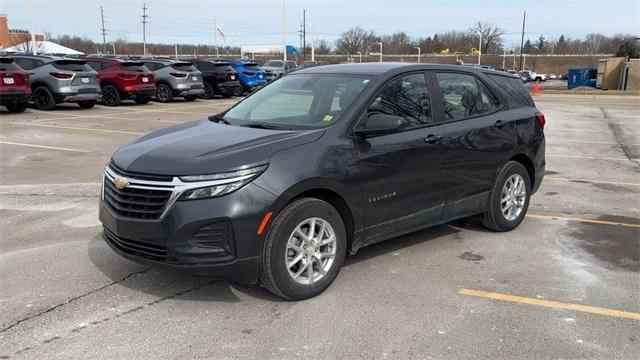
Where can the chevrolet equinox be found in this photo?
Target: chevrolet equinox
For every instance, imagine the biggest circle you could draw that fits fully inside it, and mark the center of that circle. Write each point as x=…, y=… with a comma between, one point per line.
x=279, y=188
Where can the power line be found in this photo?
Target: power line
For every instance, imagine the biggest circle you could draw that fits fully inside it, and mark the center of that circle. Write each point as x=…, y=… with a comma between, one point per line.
x=144, y=28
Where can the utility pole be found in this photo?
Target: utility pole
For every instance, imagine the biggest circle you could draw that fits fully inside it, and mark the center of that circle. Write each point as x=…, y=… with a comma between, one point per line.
x=104, y=32
x=215, y=37
x=419, y=52
x=284, y=29
x=144, y=29
x=304, y=34
x=524, y=19
x=380, y=43
x=34, y=45
x=504, y=57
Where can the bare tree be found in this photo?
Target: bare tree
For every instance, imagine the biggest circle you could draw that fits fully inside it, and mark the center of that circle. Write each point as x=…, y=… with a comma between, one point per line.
x=491, y=36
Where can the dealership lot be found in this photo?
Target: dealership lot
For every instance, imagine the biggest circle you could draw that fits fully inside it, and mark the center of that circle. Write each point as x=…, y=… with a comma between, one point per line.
x=565, y=284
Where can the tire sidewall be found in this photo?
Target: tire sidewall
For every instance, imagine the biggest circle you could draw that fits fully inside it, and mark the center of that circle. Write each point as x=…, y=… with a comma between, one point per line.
x=115, y=93
x=509, y=169
x=282, y=228
x=168, y=98
x=51, y=100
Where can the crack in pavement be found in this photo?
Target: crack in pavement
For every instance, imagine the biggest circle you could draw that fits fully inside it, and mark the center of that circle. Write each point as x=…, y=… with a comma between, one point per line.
x=72, y=300
x=617, y=136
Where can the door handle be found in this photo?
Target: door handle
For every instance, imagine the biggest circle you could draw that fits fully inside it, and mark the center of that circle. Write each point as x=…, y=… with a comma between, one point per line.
x=499, y=124
x=432, y=139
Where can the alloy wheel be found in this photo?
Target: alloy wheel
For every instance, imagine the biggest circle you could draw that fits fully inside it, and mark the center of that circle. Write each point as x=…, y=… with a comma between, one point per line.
x=310, y=251
x=513, y=197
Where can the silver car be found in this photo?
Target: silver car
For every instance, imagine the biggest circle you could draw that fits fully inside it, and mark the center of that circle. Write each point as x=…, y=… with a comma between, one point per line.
x=277, y=68
x=56, y=80
x=175, y=79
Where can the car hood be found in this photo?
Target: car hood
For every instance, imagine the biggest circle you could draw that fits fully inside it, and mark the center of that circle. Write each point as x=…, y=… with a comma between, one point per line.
x=271, y=68
x=204, y=147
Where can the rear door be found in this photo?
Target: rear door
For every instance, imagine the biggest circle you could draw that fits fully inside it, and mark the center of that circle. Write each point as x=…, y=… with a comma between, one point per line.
x=402, y=172
x=478, y=139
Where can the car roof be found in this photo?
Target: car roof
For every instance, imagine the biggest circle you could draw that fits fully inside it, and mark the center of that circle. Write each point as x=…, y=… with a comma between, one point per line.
x=377, y=69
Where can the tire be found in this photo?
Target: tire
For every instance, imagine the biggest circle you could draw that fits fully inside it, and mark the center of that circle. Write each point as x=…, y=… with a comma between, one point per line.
x=190, y=98
x=111, y=96
x=239, y=91
x=164, y=94
x=495, y=218
x=87, y=104
x=209, y=92
x=16, y=107
x=142, y=100
x=274, y=273
x=43, y=99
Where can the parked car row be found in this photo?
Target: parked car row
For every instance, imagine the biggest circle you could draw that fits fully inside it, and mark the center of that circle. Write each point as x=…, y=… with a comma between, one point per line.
x=46, y=80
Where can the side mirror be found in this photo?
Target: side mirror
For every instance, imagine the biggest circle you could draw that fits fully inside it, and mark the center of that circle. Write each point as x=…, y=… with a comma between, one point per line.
x=380, y=124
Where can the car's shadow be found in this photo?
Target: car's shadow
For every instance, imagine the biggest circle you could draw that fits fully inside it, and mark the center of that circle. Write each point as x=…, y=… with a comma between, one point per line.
x=178, y=285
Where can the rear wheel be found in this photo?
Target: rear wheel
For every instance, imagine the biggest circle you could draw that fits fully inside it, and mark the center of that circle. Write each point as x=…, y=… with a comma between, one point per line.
x=17, y=107
x=43, y=99
x=509, y=199
x=111, y=96
x=209, y=93
x=304, y=249
x=239, y=91
x=164, y=94
x=87, y=104
x=190, y=98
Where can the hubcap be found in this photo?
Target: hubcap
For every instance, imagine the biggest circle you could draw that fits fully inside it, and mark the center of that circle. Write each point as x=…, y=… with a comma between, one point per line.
x=163, y=93
x=41, y=98
x=514, y=194
x=310, y=251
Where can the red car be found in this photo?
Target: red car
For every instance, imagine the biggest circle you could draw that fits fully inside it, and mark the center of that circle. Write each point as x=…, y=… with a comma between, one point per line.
x=15, y=91
x=123, y=80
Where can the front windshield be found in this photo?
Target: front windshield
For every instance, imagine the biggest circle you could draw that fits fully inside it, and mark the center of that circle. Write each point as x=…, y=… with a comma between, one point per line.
x=300, y=101
x=273, y=63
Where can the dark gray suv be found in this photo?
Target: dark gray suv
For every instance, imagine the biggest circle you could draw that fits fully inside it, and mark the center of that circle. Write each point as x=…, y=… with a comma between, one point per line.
x=56, y=80
x=175, y=79
x=281, y=187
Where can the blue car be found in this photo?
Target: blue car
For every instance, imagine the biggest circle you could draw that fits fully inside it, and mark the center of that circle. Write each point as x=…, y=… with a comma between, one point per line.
x=249, y=74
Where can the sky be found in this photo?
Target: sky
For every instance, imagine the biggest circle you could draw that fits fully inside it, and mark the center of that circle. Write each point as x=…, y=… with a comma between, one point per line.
x=252, y=22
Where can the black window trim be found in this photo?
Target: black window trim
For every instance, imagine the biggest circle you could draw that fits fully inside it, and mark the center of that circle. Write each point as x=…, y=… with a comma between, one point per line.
x=502, y=103
x=363, y=110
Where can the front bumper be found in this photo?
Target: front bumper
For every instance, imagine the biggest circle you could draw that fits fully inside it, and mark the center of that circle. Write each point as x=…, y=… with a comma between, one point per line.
x=213, y=237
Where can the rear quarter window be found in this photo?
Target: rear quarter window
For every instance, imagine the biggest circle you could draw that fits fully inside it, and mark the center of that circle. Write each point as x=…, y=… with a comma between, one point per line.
x=514, y=87
x=8, y=65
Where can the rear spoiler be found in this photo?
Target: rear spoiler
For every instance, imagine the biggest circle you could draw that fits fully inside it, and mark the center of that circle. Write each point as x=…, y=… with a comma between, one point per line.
x=70, y=62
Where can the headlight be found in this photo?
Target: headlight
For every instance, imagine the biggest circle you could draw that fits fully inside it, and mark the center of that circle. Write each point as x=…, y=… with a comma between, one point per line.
x=218, y=186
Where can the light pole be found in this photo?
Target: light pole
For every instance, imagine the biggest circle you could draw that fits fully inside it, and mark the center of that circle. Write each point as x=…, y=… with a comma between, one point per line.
x=34, y=45
x=380, y=43
x=359, y=56
x=284, y=28
x=479, y=46
x=419, y=50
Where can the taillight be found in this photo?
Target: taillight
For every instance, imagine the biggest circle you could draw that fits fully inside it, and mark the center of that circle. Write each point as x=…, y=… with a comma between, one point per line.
x=179, y=75
x=128, y=76
x=541, y=119
x=58, y=75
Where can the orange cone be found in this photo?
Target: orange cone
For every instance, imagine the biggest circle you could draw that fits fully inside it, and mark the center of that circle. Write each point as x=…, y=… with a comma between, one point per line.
x=536, y=88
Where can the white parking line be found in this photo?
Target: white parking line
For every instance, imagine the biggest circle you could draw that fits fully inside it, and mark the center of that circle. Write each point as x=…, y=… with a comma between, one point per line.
x=43, y=147
x=594, y=142
x=80, y=128
x=590, y=157
x=109, y=116
x=591, y=181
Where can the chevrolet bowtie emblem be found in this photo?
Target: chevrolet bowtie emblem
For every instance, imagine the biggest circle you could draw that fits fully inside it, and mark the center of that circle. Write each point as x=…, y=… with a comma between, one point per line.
x=120, y=183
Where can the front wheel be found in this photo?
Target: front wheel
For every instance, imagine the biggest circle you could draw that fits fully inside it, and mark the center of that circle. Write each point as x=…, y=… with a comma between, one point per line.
x=509, y=199
x=164, y=94
x=239, y=91
x=304, y=249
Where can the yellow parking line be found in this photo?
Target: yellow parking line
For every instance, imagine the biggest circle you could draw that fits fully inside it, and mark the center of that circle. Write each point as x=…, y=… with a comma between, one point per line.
x=551, y=304
x=582, y=220
x=43, y=147
x=591, y=181
x=81, y=128
x=590, y=157
x=594, y=142
x=578, y=130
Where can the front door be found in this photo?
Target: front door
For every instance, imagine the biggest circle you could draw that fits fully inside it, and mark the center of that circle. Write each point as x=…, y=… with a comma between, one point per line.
x=403, y=172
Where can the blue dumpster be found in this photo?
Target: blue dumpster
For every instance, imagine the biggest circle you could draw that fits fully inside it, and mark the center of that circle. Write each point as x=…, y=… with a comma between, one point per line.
x=582, y=77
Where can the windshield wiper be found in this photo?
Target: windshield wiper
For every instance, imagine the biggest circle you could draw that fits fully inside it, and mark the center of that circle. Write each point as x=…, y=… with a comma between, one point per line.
x=264, y=126
x=219, y=119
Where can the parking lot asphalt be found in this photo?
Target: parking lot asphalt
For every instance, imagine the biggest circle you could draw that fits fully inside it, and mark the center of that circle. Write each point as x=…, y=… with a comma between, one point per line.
x=565, y=284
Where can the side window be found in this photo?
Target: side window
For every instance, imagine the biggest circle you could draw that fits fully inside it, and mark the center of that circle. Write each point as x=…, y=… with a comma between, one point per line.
x=95, y=65
x=464, y=96
x=26, y=64
x=408, y=97
x=151, y=66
